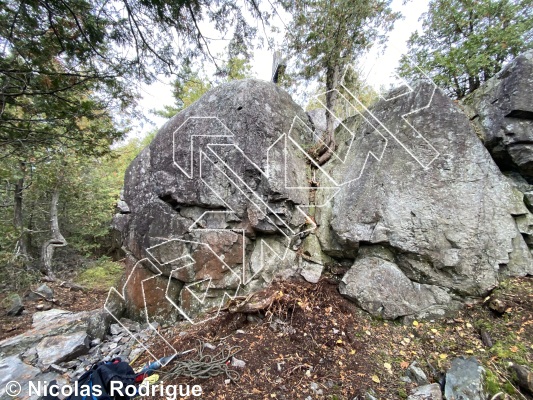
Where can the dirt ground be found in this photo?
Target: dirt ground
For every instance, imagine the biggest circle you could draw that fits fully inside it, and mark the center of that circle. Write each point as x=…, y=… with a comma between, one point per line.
x=311, y=343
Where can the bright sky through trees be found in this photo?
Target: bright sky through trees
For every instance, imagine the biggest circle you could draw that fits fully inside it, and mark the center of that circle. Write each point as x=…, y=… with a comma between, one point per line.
x=378, y=68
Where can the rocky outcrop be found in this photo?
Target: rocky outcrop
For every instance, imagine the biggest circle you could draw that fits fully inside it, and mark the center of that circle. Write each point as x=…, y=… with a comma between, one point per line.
x=62, y=345
x=422, y=194
x=212, y=202
x=226, y=199
x=503, y=111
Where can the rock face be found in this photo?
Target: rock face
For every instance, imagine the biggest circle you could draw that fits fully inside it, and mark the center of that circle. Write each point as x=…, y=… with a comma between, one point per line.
x=503, y=108
x=423, y=205
x=213, y=199
x=226, y=197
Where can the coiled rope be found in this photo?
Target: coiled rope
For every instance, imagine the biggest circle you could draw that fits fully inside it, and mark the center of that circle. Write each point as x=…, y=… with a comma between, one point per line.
x=205, y=366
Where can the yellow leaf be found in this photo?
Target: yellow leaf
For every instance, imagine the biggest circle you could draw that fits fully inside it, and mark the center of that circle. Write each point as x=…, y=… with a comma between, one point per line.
x=375, y=379
x=468, y=325
x=469, y=352
x=443, y=356
x=368, y=333
x=387, y=366
x=434, y=330
x=415, y=323
x=339, y=341
x=352, y=352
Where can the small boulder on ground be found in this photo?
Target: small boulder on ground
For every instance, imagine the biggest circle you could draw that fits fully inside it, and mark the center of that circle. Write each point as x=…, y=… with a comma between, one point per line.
x=465, y=380
x=523, y=377
x=42, y=292
x=15, y=306
x=416, y=374
x=426, y=392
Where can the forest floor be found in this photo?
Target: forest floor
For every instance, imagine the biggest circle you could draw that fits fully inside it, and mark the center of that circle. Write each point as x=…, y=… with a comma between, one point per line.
x=310, y=343
x=313, y=343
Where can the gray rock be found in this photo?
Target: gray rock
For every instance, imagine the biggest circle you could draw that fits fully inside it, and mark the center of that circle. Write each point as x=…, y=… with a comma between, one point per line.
x=426, y=392
x=115, y=329
x=382, y=289
x=45, y=324
x=98, y=323
x=318, y=119
x=416, y=374
x=13, y=369
x=56, y=349
x=241, y=120
x=465, y=380
x=15, y=306
x=45, y=291
x=311, y=271
x=503, y=111
x=450, y=225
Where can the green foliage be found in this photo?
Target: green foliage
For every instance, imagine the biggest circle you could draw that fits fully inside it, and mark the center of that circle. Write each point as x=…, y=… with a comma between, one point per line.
x=328, y=35
x=102, y=275
x=89, y=188
x=492, y=383
x=466, y=42
x=356, y=86
x=63, y=64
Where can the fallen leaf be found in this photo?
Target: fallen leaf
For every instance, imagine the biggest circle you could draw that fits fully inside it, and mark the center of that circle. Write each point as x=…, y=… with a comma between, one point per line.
x=352, y=352
x=375, y=378
x=415, y=323
x=514, y=349
x=443, y=356
x=404, y=364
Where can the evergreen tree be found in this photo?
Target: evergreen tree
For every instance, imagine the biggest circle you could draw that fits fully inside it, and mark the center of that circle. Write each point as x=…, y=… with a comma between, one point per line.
x=466, y=42
x=326, y=35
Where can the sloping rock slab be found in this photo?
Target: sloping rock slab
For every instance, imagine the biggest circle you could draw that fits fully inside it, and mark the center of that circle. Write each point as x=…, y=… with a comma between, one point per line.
x=13, y=369
x=45, y=323
x=56, y=349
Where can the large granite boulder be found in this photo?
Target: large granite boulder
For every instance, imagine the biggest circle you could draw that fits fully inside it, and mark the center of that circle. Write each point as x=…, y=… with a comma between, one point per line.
x=423, y=206
x=211, y=197
x=503, y=110
x=226, y=198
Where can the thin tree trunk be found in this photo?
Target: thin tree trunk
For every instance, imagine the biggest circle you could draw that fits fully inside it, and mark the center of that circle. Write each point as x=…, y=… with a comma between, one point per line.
x=57, y=240
x=18, y=217
x=332, y=80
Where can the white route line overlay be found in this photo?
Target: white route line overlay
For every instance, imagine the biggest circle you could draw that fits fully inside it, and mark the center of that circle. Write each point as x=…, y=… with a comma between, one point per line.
x=334, y=187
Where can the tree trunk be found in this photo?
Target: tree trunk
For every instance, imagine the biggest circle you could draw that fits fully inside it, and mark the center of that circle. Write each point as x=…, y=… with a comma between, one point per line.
x=57, y=240
x=332, y=81
x=21, y=248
